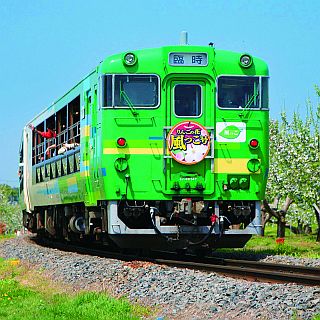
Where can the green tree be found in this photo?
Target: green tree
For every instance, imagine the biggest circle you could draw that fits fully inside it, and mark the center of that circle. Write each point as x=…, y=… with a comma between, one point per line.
x=294, y=176
x=10, y=213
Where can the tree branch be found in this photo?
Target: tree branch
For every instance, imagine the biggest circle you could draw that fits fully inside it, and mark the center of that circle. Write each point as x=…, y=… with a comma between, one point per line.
x=268, y=209
x=286, y=205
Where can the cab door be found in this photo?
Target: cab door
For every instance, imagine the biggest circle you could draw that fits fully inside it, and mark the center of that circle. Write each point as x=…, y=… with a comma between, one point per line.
x=189, y=136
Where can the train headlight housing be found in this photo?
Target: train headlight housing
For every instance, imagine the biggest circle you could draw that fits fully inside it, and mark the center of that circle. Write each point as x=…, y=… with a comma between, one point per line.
x=254, y=165
x=121, y=164
x=234, y=183
x=130, y=59
x=245, y=60
x=244, y=183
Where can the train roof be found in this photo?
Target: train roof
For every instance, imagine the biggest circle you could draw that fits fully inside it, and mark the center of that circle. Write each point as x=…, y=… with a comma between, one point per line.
x=219, y=61
x=223, y=61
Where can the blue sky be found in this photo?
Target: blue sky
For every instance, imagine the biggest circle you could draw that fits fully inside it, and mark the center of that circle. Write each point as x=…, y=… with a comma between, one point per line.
x=47, y=46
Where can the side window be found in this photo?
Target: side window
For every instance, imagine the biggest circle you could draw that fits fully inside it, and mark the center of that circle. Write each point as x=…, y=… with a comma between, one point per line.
x=265, y=92
x=62, y=130
x=68, y=126
x=106, y=91
x=187, y=100
x=38, y=143
x=58, y=135
x=21, y=167
x=74, y=120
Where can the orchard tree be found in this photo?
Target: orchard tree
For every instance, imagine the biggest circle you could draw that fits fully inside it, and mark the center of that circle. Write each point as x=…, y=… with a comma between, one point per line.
x=294, y=175
x=10, y=213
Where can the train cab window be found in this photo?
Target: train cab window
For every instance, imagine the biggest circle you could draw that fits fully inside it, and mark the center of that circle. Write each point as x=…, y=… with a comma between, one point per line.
x=242, y=92
x=106, y=91
x=187, y=100
x=123, y=91
x=265, y=93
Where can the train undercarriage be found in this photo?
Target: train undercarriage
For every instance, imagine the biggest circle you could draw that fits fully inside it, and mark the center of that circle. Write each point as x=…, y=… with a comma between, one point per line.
x=177, y=224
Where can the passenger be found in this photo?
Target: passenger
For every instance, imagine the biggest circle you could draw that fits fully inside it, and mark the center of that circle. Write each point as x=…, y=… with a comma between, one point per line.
x=67, y=146
x=48, y=151
x=44, y=134
x=49, y=134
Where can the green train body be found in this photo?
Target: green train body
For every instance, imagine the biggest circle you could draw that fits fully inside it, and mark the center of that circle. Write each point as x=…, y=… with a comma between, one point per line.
x=166, y=147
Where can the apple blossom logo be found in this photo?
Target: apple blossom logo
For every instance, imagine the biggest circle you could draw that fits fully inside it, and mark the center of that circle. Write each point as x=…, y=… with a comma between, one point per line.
x=188, y=142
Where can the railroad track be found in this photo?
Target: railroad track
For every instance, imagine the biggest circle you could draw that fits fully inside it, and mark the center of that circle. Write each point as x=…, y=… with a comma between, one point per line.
x=259, y=271
x=251, y=270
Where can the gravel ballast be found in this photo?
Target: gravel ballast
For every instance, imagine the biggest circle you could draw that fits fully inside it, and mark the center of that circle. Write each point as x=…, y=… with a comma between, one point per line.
x=177, y=293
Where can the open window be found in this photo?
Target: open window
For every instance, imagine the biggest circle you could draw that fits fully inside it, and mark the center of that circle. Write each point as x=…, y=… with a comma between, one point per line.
x=38, y=144
x=74, y=121
x=55, y=136
x=21, y=166
x=62, y=130
x=50, y=142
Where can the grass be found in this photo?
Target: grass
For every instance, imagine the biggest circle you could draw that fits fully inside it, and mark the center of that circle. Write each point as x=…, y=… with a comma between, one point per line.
x=27, y=294
x=6, y=236
x=302, y=246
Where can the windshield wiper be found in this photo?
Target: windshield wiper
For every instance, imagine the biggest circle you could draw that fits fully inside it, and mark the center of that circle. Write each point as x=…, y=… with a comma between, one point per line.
x=248, y=105
x=128, y=101
x=251, y=100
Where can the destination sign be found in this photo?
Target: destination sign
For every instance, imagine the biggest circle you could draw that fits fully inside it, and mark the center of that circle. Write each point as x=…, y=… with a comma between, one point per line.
x=188, y=59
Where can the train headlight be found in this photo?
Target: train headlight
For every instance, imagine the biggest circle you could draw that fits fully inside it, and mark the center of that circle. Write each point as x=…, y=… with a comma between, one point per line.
x=234, y=183
x=130, y=59
x=244, y=183
x=245, y=60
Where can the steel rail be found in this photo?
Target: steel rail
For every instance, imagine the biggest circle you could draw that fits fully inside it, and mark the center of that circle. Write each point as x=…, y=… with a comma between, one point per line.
x=265, y=271
x=232, y=267
x=249, y=264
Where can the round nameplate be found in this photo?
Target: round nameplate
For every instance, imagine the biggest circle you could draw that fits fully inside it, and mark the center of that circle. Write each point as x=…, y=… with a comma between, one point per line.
x=188, y=142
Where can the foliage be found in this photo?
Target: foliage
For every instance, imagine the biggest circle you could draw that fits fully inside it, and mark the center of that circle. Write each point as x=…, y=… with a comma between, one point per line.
x=10, y=213
x=295, y=162
x=31, y=301
x=300, y=246
x=7, y=236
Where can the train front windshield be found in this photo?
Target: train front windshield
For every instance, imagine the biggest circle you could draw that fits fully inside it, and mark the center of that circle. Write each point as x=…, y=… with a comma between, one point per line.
x=242, y=92
x=123, y=91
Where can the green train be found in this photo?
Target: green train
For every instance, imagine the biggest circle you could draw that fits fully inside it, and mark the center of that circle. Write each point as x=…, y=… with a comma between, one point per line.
x=163, y=148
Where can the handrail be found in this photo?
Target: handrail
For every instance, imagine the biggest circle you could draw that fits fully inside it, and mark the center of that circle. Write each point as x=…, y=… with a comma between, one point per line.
x=38, y=151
